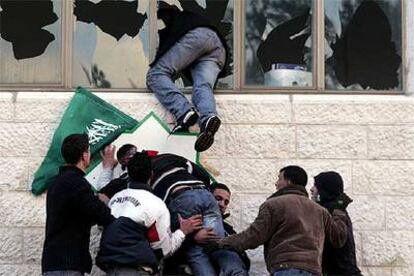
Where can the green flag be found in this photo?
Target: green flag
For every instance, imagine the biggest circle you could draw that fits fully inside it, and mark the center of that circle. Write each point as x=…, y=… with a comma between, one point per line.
x=86, y=113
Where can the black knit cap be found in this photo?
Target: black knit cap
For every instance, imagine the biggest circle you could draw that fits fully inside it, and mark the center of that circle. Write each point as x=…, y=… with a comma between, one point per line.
x=330, y=185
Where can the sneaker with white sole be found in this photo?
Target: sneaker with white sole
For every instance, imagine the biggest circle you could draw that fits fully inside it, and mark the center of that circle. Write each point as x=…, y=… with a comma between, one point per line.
x=185, y=121
x=207, y=131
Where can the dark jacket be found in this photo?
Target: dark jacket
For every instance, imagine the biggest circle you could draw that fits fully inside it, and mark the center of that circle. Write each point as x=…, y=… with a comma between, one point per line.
x=229, y=230
x=124, y=244
x=71, y=210
x=340, y=261
x=184, y=173
x=293, y=229
x=177, y=24
x=116, y=185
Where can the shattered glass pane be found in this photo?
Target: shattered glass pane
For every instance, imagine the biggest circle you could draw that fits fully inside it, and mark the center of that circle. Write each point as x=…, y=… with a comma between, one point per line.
x=111, y=43
x=363, y=45
x=30, y=41
x=278, y=43
x=220, y=12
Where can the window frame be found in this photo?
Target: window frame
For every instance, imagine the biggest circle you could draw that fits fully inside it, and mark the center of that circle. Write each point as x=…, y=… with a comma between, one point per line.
x=239, y=70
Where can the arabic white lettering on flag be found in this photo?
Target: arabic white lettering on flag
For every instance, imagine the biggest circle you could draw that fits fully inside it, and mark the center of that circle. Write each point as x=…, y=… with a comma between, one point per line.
x=98, y=130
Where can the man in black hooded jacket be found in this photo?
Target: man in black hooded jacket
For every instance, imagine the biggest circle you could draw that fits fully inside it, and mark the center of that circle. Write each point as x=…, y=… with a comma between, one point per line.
x=335, y=261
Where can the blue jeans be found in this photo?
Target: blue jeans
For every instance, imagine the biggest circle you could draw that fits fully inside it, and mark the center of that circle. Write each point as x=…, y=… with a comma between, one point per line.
x=201, y=49
x=293, y=272
x=193, y=202
x=229, y=262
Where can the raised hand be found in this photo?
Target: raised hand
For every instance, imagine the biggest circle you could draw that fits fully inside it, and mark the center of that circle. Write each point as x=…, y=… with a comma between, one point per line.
x=108, y=157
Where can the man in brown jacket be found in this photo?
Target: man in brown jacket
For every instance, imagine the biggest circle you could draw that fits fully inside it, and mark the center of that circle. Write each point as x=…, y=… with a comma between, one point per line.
x=292, y=228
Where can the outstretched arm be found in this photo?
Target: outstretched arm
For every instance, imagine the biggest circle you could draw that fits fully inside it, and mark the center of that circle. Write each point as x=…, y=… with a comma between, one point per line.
x=256, y=234
x=161, y=237
x=108, y=163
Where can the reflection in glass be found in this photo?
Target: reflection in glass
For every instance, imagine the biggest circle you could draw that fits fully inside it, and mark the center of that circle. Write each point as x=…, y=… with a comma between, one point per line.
x=278, y=43
x=111, y=43
x=30, y=42
x=363, y=45
x=220, y=12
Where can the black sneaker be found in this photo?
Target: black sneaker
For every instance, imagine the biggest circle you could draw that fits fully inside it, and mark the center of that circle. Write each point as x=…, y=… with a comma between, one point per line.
x=207, y=131
x=185, y=121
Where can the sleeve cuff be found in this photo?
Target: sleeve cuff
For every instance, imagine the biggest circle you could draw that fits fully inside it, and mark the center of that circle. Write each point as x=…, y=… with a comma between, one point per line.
x=180, y=234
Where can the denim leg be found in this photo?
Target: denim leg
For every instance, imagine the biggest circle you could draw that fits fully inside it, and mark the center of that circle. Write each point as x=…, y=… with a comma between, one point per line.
x=186, y=204
x=160, y=76
x=160, y=82
x=293, y=272
x=212, y=216
x=199, y=261
x=194, y=202
x=229, y=262
x=204, y=74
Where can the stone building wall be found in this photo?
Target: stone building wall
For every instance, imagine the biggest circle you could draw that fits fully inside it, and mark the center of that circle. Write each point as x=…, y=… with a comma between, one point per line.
x=369, y=139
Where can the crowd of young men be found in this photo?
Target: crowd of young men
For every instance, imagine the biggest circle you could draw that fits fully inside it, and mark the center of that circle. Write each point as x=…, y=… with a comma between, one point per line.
x=164, y=215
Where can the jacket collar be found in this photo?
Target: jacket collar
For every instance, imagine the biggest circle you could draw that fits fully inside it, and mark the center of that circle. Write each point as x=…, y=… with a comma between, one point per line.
x=329, y=205
x=139, y=185
x=72, y=168
x=291, y=190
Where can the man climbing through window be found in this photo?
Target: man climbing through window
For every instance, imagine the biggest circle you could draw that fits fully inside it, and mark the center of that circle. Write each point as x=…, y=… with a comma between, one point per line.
x=190, y=45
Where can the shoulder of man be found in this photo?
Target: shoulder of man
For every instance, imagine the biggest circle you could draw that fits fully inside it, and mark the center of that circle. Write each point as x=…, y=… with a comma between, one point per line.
x=148, y=198
x=272, y=202
x=114, y=186
x=120, y=180
x=285, y=201
x=70, y=181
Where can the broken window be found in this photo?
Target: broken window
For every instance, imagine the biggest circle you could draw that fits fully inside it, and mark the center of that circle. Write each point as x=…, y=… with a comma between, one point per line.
x=111, y=43
x=272, y=43
x=278, y=43
x=363, y=45
x=30, y=41
x=220, y=12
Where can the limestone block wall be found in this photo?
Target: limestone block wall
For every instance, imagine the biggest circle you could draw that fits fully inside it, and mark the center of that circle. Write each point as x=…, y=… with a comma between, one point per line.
x=368, y=139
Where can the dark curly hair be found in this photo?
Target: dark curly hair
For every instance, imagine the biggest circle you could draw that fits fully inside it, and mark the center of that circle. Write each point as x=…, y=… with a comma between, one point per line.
x=139, y=167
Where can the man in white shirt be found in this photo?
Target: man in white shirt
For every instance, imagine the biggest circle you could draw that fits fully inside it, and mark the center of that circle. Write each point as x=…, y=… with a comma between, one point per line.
x=141, y=235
